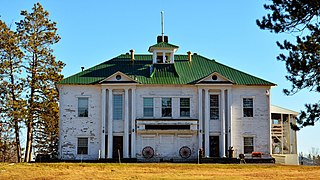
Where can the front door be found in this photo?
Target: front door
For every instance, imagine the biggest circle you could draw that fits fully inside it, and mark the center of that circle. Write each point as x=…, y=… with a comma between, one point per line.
x=117, y=147
x=214, y=146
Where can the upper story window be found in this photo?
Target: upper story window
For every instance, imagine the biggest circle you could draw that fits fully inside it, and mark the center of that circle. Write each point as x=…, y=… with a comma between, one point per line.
x=83, y=106
x=214, y=107
x=166, y=107
x=117, y=106
x=82, y=146
x=185, y=107
x=148, y=107
x=248, y=146
x=247, y=107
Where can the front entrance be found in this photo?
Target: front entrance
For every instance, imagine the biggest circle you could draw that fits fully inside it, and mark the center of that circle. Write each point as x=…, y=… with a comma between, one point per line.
x=214, y=146
x=117, y=147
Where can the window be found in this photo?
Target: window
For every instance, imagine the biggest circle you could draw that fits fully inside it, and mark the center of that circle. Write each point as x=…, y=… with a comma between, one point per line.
x=247, y=107
x=82, y=107
x=117, y=106
x=118, y=77
x=248, y=145
x=82, y=146
x=166, y=107
x=214, y=107
x=185, y=107
x=148, y=107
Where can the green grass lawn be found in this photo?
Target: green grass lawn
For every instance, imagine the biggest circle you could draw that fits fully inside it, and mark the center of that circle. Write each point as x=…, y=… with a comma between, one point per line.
x=155, y=171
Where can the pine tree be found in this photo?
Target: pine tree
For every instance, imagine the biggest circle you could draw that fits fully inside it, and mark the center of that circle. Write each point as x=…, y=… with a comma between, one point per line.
x=299, y=18
x=38, y=34
x=11, y=83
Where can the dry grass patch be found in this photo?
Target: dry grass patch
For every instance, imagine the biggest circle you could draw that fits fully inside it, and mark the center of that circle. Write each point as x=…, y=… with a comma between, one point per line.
x=155, y=171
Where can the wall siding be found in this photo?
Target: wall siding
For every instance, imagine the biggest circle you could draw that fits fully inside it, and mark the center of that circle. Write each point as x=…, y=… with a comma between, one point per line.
x=72, y=127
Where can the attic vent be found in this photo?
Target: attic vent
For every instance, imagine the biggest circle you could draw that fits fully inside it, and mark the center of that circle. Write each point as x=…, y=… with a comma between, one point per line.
x=214, y=77
x=118, y=77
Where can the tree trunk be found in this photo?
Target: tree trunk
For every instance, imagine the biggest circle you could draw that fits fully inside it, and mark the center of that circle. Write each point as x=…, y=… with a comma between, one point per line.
x=31, y=109
x=29, y=142
x=15, y=119
x=16, y=129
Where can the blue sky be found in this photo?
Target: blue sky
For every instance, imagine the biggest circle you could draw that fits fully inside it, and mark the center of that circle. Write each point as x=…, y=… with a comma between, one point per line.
x=94, y=31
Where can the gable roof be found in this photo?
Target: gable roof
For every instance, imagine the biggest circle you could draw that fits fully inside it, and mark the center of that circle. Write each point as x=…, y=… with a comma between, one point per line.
x=181, y=72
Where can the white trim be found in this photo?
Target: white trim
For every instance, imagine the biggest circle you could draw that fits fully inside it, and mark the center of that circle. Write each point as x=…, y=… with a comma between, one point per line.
x=133, y=123
x=164, y=96
x=115, y=74
x=103, y=123
x=185, y=135
x=217, y=74
x=148, y=135
x=254, y=141
x=179, y=107
x=83, y=96
x=122, y=105
x=126, y=125
x=110, y=122
x=219, y=107
x=153, y=108
x=77, y=111
x=200, y=118
x=223, y=123
x=206, y=123
x=88, y=137
x=253, y=108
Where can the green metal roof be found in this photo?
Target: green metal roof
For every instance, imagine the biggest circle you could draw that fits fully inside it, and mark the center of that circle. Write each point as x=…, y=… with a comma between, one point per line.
x=181, y=72
x=163, y=45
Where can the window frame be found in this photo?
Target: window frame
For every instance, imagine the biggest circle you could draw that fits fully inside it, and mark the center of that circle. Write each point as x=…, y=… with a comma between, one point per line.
x=79, y=147
x=86, y=114
x=243, y=107
x=121, y=108
x=214, y=107
x=185, y=107
x=248, y=146
x=168, y=107
x=148, y=107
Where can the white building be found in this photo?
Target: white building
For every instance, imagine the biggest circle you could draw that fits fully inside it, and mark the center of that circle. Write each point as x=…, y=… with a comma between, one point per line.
x=163, y=106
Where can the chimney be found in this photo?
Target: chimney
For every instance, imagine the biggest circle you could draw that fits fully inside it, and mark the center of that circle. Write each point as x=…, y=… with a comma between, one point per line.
x=82, y=68
x=132, y=54
x=159, y=39
x=189, y=56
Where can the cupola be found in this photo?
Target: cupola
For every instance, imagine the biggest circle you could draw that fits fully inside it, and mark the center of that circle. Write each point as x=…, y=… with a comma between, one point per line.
x=163, y=51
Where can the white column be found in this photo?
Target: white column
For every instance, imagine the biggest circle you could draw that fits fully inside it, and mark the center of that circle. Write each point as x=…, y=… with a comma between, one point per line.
x=172, y=57
x=163, y=57
x=200, y=130
x=103, y=123
x=110, y=119
x=133, y=123
x=223, y=125
x=206, y=123
x=126, y=125
x=229, y=107
x=154, y=57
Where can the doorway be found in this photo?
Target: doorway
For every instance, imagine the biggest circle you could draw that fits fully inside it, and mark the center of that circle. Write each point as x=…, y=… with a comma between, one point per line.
x=117, y=147
x=214, y=146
